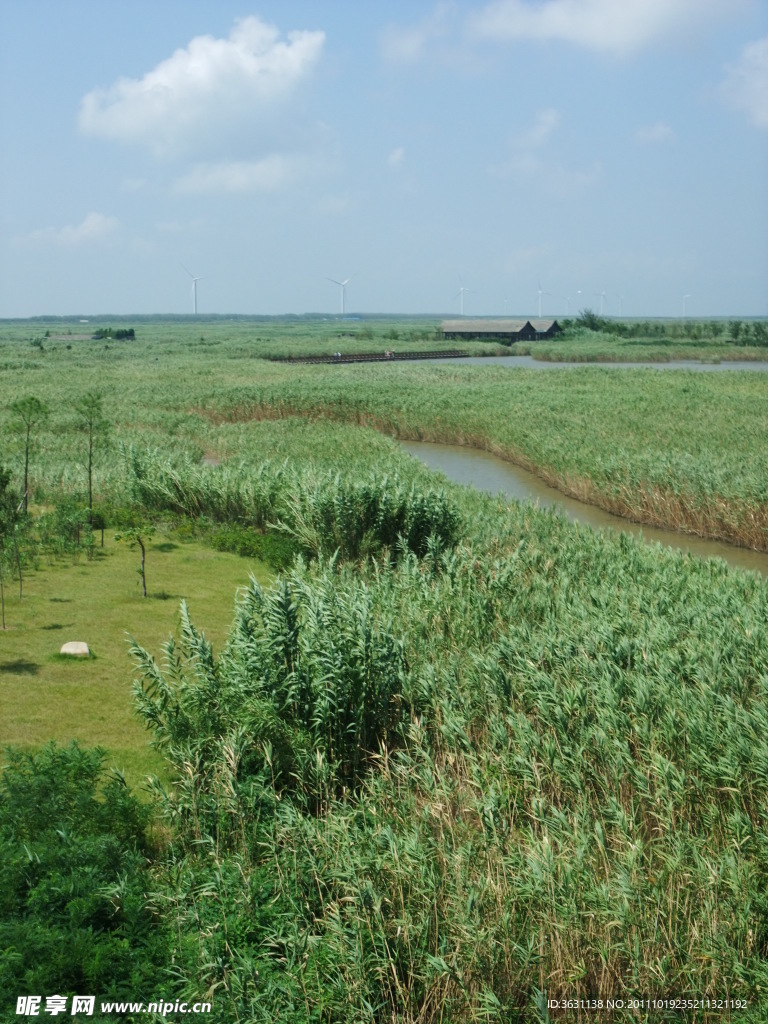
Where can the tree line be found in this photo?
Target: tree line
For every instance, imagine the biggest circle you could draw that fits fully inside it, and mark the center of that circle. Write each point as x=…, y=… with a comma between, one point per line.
x=736, y=332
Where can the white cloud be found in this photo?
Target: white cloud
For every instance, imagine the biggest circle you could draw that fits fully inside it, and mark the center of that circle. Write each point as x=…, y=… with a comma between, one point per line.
x=265, y=175
x=95, y=227
x=406, y=44
x=746, y=83
x=610, y=26
x=212, y=91
x=649, y=134
x=396, y=157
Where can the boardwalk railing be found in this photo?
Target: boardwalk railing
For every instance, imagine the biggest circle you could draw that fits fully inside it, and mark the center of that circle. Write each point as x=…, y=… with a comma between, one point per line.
x=372, y=357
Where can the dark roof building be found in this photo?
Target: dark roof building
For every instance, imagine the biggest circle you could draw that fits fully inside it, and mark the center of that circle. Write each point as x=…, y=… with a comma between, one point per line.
x=505, y=331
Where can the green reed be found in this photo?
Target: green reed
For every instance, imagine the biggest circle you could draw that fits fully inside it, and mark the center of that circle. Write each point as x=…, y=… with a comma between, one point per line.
x=573, y=802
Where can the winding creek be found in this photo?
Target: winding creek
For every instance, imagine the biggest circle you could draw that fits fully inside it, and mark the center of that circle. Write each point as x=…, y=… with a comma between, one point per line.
x=486, y=472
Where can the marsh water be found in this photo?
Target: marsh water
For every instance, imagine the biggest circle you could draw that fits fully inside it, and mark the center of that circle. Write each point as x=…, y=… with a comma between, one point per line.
x=489, y=473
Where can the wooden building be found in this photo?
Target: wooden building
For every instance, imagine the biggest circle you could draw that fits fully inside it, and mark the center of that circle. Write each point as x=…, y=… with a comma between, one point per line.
x=504, y=331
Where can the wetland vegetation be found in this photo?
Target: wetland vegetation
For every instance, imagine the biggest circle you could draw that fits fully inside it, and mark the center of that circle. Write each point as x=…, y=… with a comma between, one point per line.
x=442, y=757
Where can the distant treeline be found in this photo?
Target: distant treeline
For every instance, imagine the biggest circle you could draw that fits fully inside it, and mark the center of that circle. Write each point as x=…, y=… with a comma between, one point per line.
x=117, y=334
x=738, y=332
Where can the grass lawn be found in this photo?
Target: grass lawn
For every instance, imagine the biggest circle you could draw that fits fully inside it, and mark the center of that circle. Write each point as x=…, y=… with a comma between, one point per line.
x=48, y=696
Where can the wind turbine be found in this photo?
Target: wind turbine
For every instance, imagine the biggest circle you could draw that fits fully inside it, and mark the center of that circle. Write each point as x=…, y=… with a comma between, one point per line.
x=685, y=304
x=540, y=294
x=602, y=300
x=343, y=285
x=621, y=304
x=194, y=288
x=460, y=295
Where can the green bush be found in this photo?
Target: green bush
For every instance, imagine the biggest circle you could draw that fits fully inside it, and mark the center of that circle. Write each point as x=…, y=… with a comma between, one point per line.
x=359, y=518
x=277, y=550
x=74, y=849
x=308, y=688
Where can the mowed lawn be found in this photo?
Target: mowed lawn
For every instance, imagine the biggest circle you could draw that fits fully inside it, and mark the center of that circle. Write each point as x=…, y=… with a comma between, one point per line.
x=45, y=696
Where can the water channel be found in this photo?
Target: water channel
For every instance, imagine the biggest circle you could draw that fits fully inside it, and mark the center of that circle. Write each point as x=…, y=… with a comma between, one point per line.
x=487, y=472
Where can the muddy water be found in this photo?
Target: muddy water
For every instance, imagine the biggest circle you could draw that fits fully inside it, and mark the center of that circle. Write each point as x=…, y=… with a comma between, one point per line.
x=488, y=473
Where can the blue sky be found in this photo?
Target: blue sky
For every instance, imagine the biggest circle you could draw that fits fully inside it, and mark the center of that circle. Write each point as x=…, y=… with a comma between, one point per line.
x=606, y=152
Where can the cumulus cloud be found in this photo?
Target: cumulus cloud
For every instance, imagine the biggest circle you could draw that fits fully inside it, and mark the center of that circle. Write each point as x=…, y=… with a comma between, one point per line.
x=263, y=175
x=746, y=82
x=609, y=26
x=95, y=227
x=649, y=134
x=212, y=91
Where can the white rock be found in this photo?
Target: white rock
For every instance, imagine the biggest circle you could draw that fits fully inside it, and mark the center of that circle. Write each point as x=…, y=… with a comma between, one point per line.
x=76, y=648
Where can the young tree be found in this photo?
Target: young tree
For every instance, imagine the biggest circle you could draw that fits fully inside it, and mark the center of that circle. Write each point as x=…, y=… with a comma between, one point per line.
x=92, y=422
x=28, y=413
x=9, y=514
x=137, y=529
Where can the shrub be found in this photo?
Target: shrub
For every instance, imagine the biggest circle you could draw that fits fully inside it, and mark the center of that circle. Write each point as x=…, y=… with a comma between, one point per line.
x=73, y=855
x=309, y=687
x=359, y=518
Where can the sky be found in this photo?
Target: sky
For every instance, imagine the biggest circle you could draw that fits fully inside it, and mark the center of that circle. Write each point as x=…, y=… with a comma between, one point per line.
x=513, y=155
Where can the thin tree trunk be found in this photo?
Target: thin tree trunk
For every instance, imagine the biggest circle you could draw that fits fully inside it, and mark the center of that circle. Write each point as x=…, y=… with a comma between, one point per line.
x=143, y=574
x=18, y=562
x=26, y=471
x=90, y=478
x=2, y=589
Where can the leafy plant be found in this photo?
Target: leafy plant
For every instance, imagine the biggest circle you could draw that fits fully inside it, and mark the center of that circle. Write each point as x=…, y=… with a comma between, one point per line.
x=74, y=849
x=28, y=413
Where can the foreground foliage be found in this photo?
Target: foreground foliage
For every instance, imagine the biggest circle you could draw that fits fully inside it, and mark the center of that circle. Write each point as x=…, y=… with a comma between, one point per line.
x=439, y=789
x=74, y=849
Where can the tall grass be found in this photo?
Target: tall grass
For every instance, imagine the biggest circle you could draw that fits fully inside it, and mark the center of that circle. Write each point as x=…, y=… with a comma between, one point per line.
x=666, y=449
x=324, y=512
x=563, y=790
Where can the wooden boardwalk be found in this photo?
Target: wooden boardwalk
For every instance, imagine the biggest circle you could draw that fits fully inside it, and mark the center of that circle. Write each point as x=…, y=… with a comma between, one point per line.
x=372, y=357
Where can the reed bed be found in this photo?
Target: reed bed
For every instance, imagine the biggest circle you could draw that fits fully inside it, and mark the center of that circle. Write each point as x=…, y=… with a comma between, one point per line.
x=325, y=513
x=468, y=758
x=568, y=798
x=662, y=448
